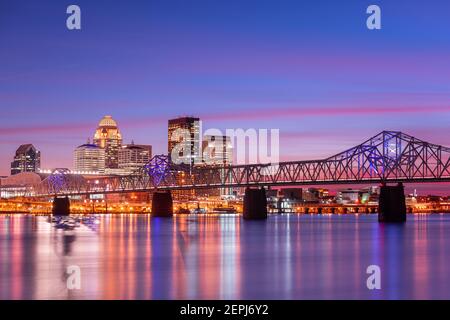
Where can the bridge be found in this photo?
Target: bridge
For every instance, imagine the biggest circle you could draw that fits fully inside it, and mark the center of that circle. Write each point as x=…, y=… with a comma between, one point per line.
x=388, y=157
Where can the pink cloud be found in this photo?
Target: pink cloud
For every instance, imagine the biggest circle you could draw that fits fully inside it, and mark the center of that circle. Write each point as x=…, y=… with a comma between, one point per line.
x=270, y=113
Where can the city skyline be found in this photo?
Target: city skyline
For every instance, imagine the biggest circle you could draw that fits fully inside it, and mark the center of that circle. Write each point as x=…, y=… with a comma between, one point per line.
x=216, y=157
x=427, y=188
x=325, y=85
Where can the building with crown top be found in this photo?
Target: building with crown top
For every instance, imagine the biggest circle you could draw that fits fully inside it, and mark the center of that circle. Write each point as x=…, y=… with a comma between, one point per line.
x=108, y=137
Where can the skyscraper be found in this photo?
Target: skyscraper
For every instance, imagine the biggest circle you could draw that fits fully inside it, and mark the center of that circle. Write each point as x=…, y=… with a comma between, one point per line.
x=89, y=157
x=191, y=127
x=26, y=159
x=132, y=157
x=217, y=150
x=108, y=137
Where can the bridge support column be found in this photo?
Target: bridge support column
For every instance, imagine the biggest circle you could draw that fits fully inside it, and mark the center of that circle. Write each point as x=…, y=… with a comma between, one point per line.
x=255, y=204
x=61, y=206
x=392, y=204
x=162, y=204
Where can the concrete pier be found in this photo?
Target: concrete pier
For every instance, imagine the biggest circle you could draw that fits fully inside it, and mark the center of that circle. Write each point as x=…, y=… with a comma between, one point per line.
x=255, y=204
x=392, y=204
x=61, y=206
x=162, y=204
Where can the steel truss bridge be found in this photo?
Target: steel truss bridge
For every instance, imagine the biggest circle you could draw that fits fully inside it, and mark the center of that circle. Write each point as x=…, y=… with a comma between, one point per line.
x=387, y=157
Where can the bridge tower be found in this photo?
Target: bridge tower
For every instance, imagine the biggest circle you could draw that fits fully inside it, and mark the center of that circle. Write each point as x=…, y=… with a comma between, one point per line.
x=162, y=204
x=61, y=206
x=255, y=204
x=392, y=204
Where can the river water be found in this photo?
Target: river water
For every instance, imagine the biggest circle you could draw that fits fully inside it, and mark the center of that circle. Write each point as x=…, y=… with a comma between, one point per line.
x=225, y=257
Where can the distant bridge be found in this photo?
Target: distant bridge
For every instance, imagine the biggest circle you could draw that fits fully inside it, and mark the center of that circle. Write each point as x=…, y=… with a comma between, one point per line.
x=387, y=157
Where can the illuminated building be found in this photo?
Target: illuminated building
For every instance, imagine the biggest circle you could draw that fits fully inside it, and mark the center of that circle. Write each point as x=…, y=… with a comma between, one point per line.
x=26, y=159
x=292, y=193
x=191, y=126
x=16, y=185
x=132, y=157
x=217, y=150
x=314, y=195
x=348, y=196
x=108, y=137
x=184, y=131
x=89, y=157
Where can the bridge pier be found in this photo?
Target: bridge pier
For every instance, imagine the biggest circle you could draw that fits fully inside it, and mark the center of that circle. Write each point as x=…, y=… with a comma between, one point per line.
x=61, y=206
x=392, y=204
x=255, y=204
x=162, y=204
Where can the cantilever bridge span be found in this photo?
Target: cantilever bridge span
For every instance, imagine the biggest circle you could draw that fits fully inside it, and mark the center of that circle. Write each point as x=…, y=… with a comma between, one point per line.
x=390, y=156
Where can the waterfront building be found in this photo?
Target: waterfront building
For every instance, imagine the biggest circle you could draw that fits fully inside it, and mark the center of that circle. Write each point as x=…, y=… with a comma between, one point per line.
x=191, y=126
x=292, y=193
x=369, y=195
x=348, y=196
x=132, y=156
x=217, y=150
x=17, y=185
x=89, y=158
x=26, y=159
x=184, y=130
x=314, y=195
x=108, y=137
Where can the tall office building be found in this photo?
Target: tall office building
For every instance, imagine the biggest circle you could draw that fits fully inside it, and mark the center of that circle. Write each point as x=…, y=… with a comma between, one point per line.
x=132, y=157
x=191, y=126
x=108, y=137
x=26, y=159
x=217, y=150
x=89, y=157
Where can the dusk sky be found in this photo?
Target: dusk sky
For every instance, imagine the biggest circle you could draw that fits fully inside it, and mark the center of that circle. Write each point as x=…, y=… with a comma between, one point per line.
x=310, y=68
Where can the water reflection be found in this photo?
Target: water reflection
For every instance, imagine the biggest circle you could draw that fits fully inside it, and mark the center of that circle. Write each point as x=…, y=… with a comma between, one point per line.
x=224, y=257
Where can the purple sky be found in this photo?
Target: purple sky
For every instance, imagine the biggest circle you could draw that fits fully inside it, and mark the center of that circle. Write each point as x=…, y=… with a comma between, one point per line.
x=310, y=68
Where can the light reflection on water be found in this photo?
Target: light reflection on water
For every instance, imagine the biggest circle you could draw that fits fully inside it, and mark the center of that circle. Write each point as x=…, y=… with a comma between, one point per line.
x=224, y=257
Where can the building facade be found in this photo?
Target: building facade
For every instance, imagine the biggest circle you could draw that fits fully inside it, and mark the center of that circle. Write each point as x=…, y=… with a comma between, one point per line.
x=217, y=150
x=108, y=137
x=89, y=157
x=132, y=157
x=26, y=159
x=184, y=131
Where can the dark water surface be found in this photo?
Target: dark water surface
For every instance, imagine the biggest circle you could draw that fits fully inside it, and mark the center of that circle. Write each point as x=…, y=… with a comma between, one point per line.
x=224, y=257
